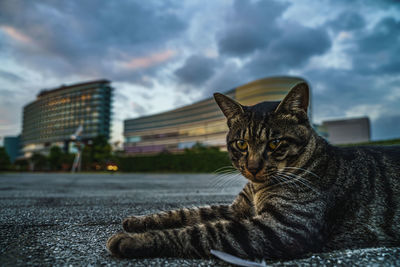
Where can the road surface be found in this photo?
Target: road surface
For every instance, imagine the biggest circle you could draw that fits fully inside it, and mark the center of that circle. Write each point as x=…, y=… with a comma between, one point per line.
x=52, y=219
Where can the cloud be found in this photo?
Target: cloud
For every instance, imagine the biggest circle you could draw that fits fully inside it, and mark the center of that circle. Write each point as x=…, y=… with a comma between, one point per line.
x=263, y=43
x=160, y=54
x=11, y=103
x=268, y=44
x=10, y=77
x=196, y=70
x=337, y=91
x=241, y=40
x=138, y=108
x=250, y=26
x=16, y=35
x=149, y=61
x=291, y=51
x=347, y=21
x=228, y=76
x=386, y=127
x=377, y=47
x=89, y=35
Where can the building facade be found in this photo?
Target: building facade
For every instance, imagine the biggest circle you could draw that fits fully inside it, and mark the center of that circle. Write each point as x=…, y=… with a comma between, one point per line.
x=347, y=131
x=201, y=122
x=56, y=114
x=12, y=144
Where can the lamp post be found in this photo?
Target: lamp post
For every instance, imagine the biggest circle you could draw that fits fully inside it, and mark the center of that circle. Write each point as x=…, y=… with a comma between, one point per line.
x=76, y=138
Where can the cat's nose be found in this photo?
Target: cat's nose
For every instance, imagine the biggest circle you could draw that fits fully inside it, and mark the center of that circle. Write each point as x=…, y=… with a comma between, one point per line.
x=253, y=166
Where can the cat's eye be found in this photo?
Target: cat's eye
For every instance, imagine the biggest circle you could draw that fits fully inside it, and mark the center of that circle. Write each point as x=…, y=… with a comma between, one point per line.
x=242, y=145
x=274, y=144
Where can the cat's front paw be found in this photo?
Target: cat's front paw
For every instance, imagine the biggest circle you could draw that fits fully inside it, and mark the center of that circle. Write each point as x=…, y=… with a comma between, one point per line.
x=118, y=244
x=134, y=224
x=126, y=245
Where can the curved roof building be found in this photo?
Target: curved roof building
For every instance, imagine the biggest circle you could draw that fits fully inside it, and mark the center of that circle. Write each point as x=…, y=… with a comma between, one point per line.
x=56, y=114
x=201, y=122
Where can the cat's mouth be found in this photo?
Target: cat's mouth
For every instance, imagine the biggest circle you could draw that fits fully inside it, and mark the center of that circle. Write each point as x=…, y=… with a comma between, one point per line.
x=257, y=178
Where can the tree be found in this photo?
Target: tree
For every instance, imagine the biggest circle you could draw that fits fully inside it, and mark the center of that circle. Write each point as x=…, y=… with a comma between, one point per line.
x=5, y=163
x=21, y=165
x=55, y=158
x=39, y=162
x=96, y=154
x=201, y=148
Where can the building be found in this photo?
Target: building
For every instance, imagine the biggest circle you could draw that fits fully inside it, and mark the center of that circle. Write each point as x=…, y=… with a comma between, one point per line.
x=12, y=144
x=347, y=131
x=201, y=122
x=56, y=114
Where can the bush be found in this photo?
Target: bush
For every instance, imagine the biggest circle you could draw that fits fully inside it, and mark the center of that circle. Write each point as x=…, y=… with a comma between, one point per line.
x=197, y=160
x=40, y=162
x=55, y=158
x=96, y=155
x=21, y=165
x=5, y=163
x=390, y=142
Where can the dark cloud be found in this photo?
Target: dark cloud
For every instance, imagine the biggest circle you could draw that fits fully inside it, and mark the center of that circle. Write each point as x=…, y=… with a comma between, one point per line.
x=386, y=34
x=271, y=45
x=378, y=49
x=196, y=70
x=366, y=87
x=386, y=127
x=241, y=41
x=11, y=103
x=228, y=76
x=340, y=94
x=347, y=21
x=337, y=91
x=10, y=76
x=250, y=26
x=292, y=50
x=87, y=35
x=138, y=44
x=129, y=104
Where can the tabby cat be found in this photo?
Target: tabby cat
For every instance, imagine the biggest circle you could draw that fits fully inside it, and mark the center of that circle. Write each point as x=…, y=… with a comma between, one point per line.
x=303, y=194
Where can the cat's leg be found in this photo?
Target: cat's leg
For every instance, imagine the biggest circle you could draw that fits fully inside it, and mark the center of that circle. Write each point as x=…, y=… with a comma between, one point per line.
x=190, y=242
x=240, y=208
x=176, y=218
x=257, y=237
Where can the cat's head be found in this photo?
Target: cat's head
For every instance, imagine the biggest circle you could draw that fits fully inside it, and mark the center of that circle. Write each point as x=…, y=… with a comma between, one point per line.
x=269, y=136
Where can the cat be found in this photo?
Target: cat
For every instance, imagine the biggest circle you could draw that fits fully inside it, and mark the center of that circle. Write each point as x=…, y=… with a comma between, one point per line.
x=303, y=195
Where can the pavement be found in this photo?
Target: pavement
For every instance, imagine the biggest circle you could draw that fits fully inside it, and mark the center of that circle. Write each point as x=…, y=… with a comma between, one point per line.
x=53, y=219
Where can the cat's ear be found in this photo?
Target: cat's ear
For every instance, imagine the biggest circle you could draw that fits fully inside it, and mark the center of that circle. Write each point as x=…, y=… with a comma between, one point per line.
x=229, y=107
x=296, y=100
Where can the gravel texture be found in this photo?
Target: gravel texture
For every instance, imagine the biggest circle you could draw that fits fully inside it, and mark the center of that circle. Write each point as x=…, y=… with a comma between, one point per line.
x=57, y=219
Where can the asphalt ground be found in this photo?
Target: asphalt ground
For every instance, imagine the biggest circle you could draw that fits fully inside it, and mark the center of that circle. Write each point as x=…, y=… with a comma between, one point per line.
x=57, y=219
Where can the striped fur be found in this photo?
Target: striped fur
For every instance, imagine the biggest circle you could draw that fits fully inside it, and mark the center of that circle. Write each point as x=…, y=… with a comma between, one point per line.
x=303, y=194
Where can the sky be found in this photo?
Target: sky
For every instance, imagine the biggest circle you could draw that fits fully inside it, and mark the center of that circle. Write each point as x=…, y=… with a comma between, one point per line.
x=162, y=55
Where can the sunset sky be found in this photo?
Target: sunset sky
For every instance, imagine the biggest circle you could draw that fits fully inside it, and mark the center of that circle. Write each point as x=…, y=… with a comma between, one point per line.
x=161, y=55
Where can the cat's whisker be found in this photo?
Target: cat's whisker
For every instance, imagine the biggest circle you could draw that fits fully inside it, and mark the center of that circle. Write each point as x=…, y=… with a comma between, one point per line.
x=224, y=168
x=221, y=180
x=228, y=181
x=286, y=181
x=221, y=174
x=228, y=184
x=279, y=179
x=237, y=177
x=299, y=179
x=294, y=182
x=226, y=172
x=218, y=180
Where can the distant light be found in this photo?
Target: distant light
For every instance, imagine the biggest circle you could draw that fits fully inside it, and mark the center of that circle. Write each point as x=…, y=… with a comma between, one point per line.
x=112, y=167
